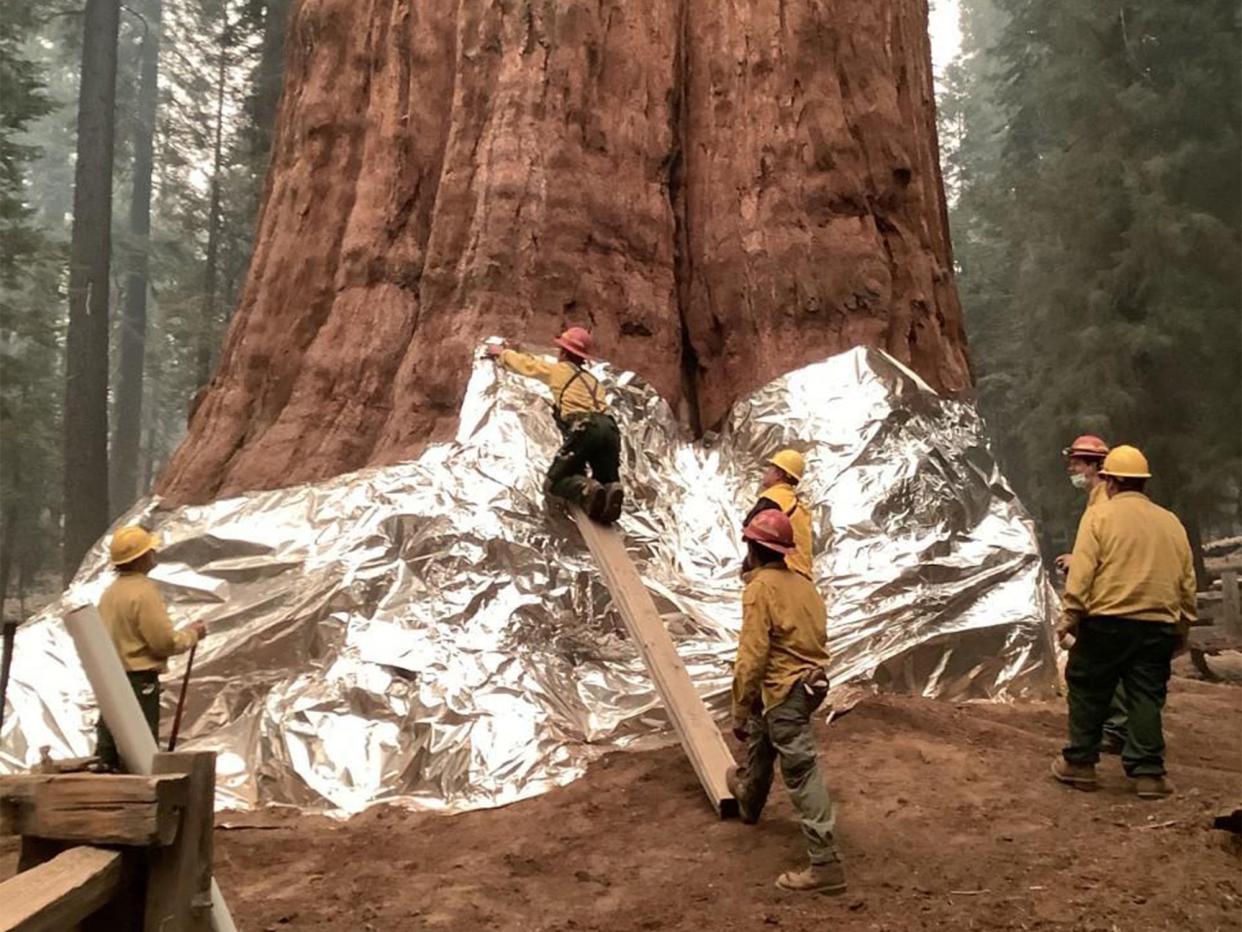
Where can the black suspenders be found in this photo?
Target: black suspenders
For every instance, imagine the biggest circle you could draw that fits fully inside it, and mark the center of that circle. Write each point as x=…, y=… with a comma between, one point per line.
x=578, y=373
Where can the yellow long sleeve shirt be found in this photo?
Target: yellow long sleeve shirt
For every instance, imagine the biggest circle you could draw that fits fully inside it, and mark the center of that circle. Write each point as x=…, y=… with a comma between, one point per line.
x=134, y=615
x=1098, y=495
x=784, y=497
x=1131, y=560
x=784, y=637
x=574, y=391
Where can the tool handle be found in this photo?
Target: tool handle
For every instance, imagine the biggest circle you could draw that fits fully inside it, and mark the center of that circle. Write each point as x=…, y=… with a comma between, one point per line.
x=185, y=685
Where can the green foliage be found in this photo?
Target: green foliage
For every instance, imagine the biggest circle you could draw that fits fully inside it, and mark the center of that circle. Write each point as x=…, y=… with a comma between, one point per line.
x=31, y=338
x=1097, y=177
x=40, y=58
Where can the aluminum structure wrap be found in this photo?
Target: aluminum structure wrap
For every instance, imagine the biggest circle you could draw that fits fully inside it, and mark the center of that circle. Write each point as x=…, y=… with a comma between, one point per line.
x=430, y=633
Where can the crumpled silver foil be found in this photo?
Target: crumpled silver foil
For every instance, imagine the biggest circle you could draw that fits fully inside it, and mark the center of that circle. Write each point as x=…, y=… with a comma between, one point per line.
x=430, y=633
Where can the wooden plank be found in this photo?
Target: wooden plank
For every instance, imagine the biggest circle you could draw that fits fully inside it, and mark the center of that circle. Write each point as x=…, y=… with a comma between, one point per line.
x=60, y=893
x=701, y=739
x=98, y=808
x=179, y=882
x=1231, y=604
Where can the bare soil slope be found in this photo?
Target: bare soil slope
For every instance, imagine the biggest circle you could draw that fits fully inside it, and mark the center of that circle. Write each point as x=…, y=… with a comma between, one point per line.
x=947, y=816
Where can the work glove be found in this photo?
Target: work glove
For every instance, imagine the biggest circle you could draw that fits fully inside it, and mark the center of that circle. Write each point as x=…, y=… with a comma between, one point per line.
x=1063, y=562
x=741, y=730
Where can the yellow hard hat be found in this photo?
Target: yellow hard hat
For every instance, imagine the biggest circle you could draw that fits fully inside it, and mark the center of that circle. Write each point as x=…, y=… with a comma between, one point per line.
x=1126, y=462
x=790, y=462
x=131, y=542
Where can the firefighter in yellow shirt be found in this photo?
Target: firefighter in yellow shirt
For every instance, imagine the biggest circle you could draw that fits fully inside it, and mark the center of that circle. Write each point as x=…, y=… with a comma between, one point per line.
x=779, y=680
x=1083, y=460
x=134, y=615
x=1129, y=601
x=591, y=436
x=780, y=490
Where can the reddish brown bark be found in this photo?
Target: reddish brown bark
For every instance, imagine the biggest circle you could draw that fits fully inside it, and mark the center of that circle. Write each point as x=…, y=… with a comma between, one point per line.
x=722, y=192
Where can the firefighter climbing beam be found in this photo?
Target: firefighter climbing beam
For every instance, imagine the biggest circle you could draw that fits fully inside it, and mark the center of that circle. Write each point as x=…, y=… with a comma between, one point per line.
x=700, y=737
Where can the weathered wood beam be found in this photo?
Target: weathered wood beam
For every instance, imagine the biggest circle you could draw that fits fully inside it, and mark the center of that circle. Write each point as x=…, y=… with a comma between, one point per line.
x=95, y=808
x=701, y=739
x=179, y=882
x=60, y=893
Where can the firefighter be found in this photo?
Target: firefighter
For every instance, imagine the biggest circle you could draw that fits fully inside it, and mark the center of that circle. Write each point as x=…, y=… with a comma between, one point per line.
x=1083, y=460
x=779, y=490
x=779, y=680
x=591, y=436
x=1129, y=602
x=136, y=620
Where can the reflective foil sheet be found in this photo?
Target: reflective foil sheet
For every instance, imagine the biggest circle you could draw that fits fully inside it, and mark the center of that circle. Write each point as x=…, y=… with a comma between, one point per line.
x=430, y=633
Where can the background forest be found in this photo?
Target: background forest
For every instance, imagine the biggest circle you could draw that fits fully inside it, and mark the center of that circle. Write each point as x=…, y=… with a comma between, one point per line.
x=1092, y=154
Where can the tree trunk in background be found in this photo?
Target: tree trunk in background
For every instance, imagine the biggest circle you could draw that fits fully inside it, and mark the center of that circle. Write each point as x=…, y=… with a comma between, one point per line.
x=722, y=193
x=268, y=79
x=212, y=271
x=8, y=527
x=128, y=410
x=86, y=349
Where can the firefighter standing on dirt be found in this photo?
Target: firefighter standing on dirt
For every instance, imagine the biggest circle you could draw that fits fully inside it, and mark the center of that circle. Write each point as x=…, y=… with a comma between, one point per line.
x=1083, y=460
x=779, y=490
x=134, y=616
x=779, y=680
x=590, y=432
x=1129, y=601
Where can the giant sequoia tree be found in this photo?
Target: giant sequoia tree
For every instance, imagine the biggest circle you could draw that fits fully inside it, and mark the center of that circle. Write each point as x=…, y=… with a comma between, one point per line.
x=723, y=192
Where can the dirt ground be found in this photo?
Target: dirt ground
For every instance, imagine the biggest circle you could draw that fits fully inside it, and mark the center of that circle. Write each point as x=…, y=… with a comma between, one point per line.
x=948, y=820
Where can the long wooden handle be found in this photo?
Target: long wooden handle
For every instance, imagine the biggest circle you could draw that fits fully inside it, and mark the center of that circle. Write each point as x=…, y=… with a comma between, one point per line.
x=185, y=685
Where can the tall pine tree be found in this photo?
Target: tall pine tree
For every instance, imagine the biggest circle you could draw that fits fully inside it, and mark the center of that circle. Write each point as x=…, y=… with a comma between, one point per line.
x=1097, y=227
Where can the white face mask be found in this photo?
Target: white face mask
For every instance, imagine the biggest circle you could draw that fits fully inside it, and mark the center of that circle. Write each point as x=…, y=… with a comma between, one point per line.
x=1078, y=480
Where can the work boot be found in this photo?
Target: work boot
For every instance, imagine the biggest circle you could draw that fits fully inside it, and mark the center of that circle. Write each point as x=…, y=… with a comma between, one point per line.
x=828, y=879
x=1153, y=787
x=734, y=782
x=593, y=499
x=614, y=500
x=1079, y=776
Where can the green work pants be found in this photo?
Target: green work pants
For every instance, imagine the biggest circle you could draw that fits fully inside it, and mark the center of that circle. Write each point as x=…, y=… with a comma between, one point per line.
x=1136, y=654
x=1115, y=724
x=590, y=440
x=784, y=732
x=146, y=686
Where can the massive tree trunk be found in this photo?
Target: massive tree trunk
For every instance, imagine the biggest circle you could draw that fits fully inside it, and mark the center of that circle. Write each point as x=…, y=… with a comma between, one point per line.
x=721, y=192
x=133, y=342
x=86, y=349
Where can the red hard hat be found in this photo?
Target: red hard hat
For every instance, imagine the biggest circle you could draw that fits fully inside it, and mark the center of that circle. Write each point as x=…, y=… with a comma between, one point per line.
x=576, y=340
x=771, y=529
x=1088, y=446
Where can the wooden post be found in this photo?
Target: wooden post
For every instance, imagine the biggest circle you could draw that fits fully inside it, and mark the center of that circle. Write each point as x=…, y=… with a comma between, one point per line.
x=700, y=738
x=179, y=882
x=1231, y=603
